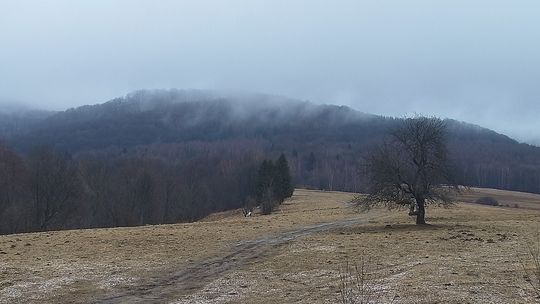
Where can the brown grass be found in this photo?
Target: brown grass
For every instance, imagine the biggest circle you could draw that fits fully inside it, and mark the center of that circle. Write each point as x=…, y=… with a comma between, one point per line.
x=511, y=199
x=467, y=255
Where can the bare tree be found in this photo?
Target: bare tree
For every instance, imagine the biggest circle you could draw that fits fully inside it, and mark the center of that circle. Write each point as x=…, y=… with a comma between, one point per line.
x=55, y=184
x=13, y=189
x=411, y=168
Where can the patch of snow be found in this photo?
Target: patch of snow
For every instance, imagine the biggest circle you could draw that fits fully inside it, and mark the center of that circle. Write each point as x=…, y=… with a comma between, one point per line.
x=223, y=290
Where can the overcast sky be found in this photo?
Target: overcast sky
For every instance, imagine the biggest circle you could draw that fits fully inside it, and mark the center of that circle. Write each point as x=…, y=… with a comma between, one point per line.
x=477, y=61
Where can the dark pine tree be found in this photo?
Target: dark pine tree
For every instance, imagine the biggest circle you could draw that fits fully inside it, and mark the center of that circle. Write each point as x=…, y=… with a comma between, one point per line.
x=265, y=180
x=283, y=186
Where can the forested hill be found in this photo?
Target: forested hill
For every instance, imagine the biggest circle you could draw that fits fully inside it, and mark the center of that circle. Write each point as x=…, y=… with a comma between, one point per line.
x=15, y=121
x=324, y=143
x=148, y=117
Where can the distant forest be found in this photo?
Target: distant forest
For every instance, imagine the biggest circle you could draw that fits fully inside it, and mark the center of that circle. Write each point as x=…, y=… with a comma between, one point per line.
x=173, y=156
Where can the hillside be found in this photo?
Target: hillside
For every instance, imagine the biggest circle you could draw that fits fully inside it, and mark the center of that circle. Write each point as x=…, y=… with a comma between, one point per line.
x=470, y=253
x=324, y=143
x=149, y=117
x=15, y=121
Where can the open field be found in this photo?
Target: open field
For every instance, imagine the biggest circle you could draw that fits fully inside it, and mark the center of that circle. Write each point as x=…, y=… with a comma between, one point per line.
x=506, y=198
x=469, y=254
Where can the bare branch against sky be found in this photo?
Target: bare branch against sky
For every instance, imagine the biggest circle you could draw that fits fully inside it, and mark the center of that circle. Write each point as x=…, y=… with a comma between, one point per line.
x=477, y=61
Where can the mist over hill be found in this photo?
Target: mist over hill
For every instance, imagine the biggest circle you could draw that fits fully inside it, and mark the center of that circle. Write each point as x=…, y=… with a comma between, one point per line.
x=324, y=143
x=148, y=117
x=16, y=120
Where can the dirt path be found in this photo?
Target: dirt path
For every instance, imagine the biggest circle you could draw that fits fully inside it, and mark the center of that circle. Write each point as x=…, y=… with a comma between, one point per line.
x=195, y=277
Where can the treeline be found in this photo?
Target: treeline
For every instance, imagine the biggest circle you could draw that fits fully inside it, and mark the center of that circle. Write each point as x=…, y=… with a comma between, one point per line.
x=324, y=144
x=49, y=190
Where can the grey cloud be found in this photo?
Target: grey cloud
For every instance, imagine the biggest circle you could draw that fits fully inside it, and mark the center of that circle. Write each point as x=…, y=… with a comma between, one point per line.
x=476, y=61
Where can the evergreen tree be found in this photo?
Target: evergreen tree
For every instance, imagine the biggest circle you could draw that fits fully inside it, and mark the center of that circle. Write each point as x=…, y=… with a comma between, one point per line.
x=265, y=180
x=283, y=186
x=274, y=184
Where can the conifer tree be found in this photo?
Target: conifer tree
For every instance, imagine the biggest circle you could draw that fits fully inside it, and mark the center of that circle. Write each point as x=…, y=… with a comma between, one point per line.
x=282, y=179
x=274, y=184
x=265, y=180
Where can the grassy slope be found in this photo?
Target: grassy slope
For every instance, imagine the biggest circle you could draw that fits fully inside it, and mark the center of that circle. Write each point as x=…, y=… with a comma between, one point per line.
x=469, y=253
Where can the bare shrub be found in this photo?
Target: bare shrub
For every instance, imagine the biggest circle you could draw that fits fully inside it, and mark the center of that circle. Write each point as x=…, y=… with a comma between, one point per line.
x=249, y=205
x=358, y=283
x=268, y=202
x=487, y=200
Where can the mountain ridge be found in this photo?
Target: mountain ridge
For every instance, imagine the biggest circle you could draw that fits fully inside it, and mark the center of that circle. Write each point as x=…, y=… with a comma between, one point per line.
x=324, y=143
x=243, y=104
x=241, y=108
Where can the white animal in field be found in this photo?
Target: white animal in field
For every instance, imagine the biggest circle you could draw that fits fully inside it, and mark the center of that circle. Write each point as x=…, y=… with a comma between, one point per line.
x=247, y=211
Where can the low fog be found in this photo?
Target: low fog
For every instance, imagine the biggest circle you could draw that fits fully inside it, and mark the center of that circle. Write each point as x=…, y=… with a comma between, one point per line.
x=473, y=61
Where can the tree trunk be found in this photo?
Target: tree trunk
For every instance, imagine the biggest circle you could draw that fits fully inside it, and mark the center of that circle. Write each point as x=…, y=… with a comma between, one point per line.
x=421, y=213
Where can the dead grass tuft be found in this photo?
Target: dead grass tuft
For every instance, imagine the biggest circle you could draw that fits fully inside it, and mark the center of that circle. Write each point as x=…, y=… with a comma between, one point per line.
x=359, y=283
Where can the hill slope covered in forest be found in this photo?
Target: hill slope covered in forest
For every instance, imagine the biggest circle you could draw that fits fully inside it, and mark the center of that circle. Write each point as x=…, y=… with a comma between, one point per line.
x=324, y=143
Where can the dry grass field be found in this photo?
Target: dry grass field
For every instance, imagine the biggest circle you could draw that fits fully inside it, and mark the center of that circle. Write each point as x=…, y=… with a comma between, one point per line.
x=468, y=254
x=506, y=198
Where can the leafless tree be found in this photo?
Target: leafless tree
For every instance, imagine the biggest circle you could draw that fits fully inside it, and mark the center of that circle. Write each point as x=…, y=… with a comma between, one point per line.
x=13, y=189
x=55, y=185
x=411, y=168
